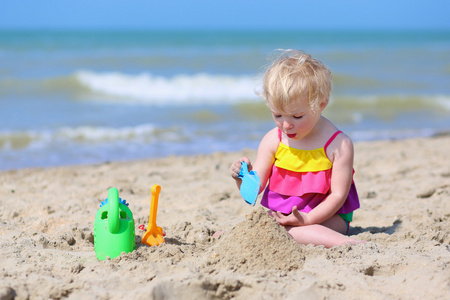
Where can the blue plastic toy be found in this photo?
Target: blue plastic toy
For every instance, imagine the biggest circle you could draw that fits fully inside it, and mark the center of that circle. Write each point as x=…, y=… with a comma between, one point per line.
x=250, y=185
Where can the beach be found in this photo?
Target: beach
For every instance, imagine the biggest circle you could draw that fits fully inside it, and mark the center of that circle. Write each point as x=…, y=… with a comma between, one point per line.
x=84, y=111
x=47, y=232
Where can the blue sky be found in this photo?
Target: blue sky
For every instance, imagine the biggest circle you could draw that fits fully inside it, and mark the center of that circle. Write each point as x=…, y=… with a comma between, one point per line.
x=231, y=14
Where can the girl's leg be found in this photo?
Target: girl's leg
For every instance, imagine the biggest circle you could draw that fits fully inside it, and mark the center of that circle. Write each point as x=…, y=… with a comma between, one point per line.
x=330, y=233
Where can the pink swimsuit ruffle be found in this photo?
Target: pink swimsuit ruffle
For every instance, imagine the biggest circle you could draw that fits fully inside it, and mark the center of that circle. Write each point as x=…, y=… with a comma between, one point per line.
x=288, y=182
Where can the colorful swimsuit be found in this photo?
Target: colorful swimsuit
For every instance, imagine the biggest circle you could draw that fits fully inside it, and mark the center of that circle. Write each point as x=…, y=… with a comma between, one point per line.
x=302, y=178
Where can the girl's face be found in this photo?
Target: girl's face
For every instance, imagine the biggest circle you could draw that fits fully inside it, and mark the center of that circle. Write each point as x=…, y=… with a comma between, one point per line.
x=297, y=120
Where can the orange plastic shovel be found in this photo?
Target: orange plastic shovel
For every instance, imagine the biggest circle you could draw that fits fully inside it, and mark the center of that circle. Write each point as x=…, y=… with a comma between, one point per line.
x=154, y=234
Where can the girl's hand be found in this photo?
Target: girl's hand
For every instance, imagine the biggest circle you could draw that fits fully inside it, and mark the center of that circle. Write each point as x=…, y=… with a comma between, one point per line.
x=296, y=218
x=235, y=168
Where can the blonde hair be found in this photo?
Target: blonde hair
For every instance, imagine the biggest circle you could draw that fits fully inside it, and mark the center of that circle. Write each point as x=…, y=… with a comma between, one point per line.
x=293, y=75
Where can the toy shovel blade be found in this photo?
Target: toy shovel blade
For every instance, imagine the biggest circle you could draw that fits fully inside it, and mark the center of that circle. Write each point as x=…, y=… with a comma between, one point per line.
x=250, y=184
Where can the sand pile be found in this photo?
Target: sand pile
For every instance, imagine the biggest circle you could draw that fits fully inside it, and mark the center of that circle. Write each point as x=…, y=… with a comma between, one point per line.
x=254, y=244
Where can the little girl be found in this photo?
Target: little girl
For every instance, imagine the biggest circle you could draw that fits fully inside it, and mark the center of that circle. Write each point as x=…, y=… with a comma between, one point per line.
x=306, y=160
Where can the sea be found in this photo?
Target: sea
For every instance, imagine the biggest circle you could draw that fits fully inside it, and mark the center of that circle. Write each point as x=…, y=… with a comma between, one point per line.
x=71, y=97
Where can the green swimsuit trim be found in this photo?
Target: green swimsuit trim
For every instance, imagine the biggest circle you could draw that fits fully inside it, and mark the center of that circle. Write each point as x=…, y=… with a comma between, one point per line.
x=347, y=217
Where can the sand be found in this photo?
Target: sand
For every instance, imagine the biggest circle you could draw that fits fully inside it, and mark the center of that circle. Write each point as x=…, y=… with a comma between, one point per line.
x=47, y=223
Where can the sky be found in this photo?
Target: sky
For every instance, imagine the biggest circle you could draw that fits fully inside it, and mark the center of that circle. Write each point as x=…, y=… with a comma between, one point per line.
x=225, y=14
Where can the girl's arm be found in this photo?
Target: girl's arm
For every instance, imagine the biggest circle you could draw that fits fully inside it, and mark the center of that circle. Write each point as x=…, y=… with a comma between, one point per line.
x=266, y=156
x=264, y=159
x=340, y=152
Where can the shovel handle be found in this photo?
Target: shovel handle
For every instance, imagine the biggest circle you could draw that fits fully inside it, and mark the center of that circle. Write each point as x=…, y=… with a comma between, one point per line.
x=156, y=189
x=244, y=169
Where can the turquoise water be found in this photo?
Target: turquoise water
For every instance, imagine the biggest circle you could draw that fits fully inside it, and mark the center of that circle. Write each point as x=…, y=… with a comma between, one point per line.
x=71, y=97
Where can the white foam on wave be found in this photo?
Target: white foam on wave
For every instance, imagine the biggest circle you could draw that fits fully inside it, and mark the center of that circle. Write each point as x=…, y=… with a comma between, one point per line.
x=97, y=134
x=391, y=102
x=443, y=101
x=396, y=134
x=180, y=89
x=82, y=134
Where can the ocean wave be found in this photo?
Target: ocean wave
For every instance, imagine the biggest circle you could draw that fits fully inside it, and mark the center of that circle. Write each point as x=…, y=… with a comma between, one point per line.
x=398, y=103
x=180, y=89
x=15, y=140
x=372, y=135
